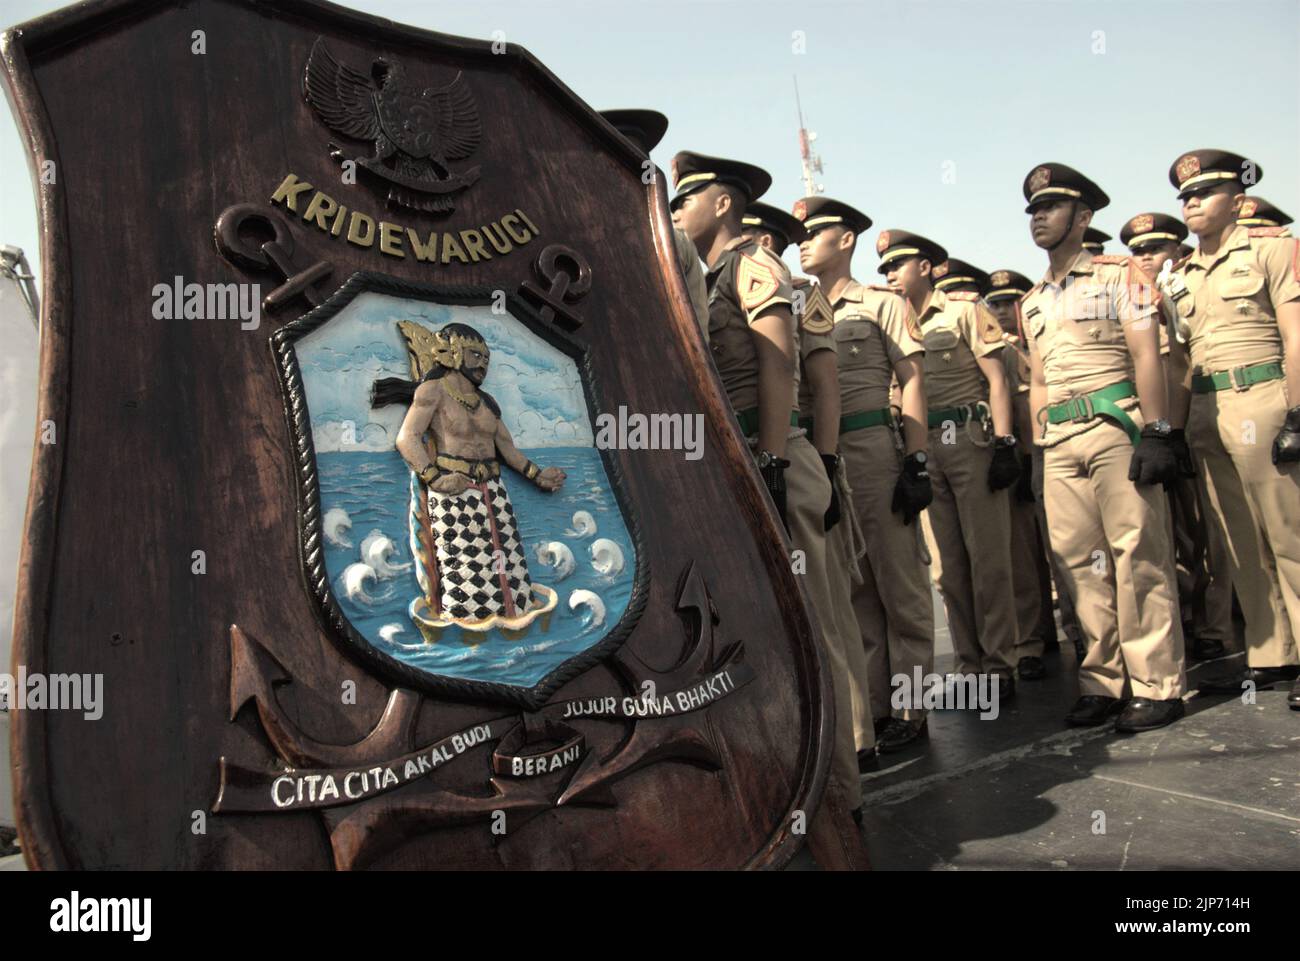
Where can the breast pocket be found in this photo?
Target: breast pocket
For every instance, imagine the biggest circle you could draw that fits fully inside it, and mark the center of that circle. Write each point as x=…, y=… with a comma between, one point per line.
x=854, y=342
x=1241, y=291
x=940, y=340
x=1090, y=318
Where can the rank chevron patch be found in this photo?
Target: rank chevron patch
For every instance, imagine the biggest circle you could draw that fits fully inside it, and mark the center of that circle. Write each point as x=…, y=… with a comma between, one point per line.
x=817, y=316
x=755, y=282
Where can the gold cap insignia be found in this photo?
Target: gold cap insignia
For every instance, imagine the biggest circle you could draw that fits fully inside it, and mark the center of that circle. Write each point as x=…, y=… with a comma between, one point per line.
x=941, y=270
x=800, y=210
x=1000, y=278
x=1039, y=179
x=882, y=242
x=1187, y=167
x=673, y=168
x=1142, y=223
x=1248, y=208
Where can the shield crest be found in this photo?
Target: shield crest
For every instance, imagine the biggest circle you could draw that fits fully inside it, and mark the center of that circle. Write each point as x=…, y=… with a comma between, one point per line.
x=504, y=590
x=222, y=531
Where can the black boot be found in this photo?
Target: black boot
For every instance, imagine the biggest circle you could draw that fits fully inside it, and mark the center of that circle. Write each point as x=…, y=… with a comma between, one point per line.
x=1147, y=714
x=899, y=734
x=1031, y=668
x=1262, y=677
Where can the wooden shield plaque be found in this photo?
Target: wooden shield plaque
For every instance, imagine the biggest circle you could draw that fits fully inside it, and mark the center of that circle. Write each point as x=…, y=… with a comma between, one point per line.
x=281, y=240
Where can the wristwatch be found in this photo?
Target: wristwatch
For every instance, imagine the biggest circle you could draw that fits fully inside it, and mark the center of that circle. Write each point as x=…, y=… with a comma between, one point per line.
x=766, y=459
x=919, y=457
x=1005, y=440
x=1161, y=427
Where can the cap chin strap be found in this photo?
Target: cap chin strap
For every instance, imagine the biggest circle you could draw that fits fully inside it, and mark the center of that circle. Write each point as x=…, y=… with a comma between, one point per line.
x=1074, y=209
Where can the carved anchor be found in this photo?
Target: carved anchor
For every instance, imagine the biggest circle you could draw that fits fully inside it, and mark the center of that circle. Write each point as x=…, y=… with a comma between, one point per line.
x=275, y=255
x=569, y=278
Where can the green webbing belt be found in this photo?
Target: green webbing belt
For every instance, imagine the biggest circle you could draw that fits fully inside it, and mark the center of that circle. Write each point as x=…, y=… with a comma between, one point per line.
x=867, y=418
x=749, y=420
x=1100, y=403
x=1238, y=378
x=958, y=415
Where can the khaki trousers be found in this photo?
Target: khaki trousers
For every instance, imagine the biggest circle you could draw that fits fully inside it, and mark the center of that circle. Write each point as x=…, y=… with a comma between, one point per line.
x=1111, y=539
x=968, y=531
x=1255, y=507
x=808, y=494
x=892, y=604
x=1031, y=580
x=1069, y=622
x=839, y=566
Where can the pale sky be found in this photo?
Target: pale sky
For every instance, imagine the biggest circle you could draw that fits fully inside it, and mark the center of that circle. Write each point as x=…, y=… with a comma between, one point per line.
x=929, y=113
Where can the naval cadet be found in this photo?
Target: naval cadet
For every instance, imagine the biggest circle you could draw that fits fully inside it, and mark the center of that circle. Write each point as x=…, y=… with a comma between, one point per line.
x=1031, y=577
x=1200, y=556
x=1094, y=241
x=959, y=275
x=1237, y=298
x=818, y=389
x=752, y=341
x=1098, y=388
x=877, y=339
x=1258, y=212
x=972, y=448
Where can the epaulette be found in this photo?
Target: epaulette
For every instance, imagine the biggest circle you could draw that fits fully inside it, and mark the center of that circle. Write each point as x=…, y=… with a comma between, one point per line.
x=1110, y=259
x=881, y=288
x=964, y=295
x=1178, y=265
x=1268, y=232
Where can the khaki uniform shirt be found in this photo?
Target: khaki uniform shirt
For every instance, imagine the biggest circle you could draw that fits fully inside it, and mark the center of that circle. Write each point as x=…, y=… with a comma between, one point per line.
x=746, y=282
x=810, y=337
x=693, y=273
x=874, y=329
x=1077, y=331
x=1015, y=361
x=957, y=329
x=1228, y=302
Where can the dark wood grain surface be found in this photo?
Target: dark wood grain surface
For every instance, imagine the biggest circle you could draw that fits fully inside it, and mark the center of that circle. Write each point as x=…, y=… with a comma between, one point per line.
x=172, y=437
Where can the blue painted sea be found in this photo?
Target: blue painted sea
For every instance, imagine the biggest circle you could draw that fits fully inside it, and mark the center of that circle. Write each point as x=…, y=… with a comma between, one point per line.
x=364, y=506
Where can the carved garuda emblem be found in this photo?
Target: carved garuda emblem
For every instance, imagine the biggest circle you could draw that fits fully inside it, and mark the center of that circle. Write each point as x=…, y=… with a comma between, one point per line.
x=416, y=130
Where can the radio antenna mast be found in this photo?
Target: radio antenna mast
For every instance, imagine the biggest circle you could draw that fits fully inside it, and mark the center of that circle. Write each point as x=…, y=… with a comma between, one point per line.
x=812, y=163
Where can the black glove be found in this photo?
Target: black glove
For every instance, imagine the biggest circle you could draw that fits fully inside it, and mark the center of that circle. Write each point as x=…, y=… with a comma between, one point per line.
x=830, y=462
x=1186, y=466
x=1155, y=461
x=912, y=493
x=1004, y=468
x=1286, y=445
x=1025, y=483
x=774, y=479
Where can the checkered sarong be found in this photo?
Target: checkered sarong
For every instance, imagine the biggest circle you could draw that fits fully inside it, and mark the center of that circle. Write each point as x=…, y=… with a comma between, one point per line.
x=469, y=529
